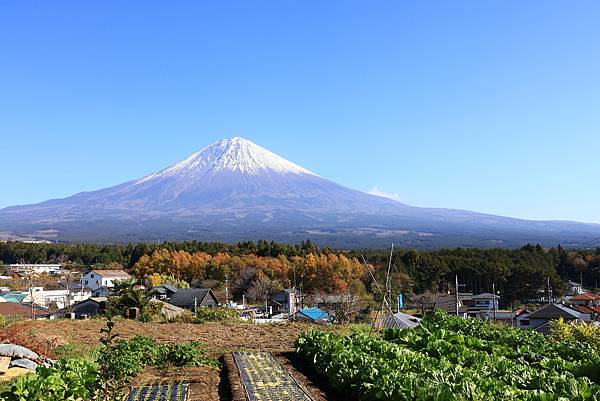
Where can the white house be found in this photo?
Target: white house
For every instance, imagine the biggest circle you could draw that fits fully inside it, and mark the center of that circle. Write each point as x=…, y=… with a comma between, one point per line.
x=575, y=288
x=103, y=278
x=58, y=298
x=32, y=268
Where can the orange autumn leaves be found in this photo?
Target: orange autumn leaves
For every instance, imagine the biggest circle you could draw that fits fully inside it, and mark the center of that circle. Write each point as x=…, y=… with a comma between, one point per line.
x=324, y=272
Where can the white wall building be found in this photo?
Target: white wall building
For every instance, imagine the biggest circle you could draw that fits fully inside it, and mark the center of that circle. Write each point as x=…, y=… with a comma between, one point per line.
x=32, y=268
x=103, y=278
x=58, y=298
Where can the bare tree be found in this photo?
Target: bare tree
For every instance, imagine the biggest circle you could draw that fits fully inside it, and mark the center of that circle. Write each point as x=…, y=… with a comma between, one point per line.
x=262, y=289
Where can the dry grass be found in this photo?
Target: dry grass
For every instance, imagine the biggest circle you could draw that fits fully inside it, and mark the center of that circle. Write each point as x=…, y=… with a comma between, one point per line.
x=219, y=337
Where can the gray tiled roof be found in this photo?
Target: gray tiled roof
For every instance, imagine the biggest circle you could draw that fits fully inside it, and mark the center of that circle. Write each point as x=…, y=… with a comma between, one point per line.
x=185, y=297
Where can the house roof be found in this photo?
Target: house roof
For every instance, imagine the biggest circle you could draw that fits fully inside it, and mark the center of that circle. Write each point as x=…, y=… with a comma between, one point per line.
x=544, y=328
x=505, y=315
x=96, y=300
x=401, y=320
x=555, y=311
x=20, y=310
x=16, y=297
x=587, y=309
x=111, y=273
x=586, y=296
x=165, y=288
x=185, y=297
x=574, y=284
x=314, y=314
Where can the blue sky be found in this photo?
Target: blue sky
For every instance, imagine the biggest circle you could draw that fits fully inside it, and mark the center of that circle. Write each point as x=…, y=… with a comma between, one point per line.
x=487, y=106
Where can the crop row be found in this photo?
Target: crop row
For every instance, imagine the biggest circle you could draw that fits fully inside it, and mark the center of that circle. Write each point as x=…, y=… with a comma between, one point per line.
x=439, y=362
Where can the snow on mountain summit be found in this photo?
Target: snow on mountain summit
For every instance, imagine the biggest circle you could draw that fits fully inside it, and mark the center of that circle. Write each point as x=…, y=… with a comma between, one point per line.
x=233, y=154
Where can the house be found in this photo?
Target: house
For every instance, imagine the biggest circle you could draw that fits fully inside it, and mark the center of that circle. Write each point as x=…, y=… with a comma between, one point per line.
x=58, y=298
x=483, y=306
x=313, y=315
x=15, y=310
x=286, y=301
x=164, y=291
x=400, y=320
x=586, y=298
x=190, y=298
x=96, y=279
x=443, y=301
x=90, y=307
x=518, y=318
x=540, y=319
x=29, y=268
x=574, y=288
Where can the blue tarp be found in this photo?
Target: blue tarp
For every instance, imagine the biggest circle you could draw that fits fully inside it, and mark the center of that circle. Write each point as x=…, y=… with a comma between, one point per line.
x=314, y=314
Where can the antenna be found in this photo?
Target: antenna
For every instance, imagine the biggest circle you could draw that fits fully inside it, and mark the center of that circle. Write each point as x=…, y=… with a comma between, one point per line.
x=385, y=292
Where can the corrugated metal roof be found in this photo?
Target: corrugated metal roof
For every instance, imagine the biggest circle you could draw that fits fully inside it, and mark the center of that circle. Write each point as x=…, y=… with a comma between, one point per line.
x=401, y=321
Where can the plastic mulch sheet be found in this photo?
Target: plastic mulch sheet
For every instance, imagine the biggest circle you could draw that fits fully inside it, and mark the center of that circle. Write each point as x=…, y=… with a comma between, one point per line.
x=166, y=392
x=265, y=379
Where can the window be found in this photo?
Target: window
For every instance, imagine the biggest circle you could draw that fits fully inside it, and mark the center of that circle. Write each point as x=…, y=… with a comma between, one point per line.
x=85, y=282
x=525, y=322
x=92, y=276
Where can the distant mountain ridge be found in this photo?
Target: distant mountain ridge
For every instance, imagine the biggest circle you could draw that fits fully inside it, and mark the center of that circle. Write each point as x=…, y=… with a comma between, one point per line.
x=236, y=190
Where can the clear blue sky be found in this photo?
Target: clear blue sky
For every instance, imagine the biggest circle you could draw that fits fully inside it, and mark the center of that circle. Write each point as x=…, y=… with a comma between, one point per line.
x=480, y=105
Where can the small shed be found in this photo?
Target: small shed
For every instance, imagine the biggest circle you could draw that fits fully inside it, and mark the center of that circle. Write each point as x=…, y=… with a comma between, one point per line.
x=90, y=307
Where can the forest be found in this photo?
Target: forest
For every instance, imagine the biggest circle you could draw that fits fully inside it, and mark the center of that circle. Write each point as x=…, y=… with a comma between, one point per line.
x=518, y=274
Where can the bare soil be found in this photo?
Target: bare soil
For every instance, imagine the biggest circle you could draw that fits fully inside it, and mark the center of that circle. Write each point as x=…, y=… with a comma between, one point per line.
x=206, y=383
x=220, y=337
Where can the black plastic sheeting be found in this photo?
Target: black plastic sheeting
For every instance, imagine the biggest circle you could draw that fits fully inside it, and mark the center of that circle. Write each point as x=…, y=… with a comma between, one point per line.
x=166, y=392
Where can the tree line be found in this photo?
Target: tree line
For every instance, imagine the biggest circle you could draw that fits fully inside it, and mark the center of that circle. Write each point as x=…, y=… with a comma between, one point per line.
x=518, y=274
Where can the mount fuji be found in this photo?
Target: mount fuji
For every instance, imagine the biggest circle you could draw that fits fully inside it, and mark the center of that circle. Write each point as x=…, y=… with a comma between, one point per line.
x=236, y=190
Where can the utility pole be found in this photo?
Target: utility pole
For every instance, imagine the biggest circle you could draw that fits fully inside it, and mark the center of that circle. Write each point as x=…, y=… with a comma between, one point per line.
x=294, y=276
x=226, y=290
x=195, y=307
x=512, y=315
x=549, y=292
x=494, y=298
x=31, y=294
x=456, y=293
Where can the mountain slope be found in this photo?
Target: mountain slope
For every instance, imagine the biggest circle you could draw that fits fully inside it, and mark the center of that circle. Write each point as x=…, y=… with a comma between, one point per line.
x=234, y=190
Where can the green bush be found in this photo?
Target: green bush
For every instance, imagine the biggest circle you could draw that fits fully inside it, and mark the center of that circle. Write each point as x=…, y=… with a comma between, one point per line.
x=216, y=315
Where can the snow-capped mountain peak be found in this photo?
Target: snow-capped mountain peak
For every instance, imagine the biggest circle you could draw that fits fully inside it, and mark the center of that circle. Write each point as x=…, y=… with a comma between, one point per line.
x=235, y=154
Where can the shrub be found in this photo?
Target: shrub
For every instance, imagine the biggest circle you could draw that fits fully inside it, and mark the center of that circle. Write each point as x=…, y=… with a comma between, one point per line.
x=216, y=315
x=73, y=379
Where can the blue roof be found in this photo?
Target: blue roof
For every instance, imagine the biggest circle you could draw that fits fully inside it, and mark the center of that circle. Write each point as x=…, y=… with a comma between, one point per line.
x=314, y=313
x=15, y=297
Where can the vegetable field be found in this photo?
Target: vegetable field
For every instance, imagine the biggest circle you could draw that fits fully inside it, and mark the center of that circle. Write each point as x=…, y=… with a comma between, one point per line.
x=447, y=358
